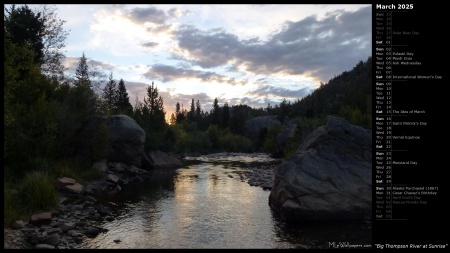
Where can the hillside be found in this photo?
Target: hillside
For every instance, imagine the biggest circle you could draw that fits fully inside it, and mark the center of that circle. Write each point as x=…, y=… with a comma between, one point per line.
x=348, y=95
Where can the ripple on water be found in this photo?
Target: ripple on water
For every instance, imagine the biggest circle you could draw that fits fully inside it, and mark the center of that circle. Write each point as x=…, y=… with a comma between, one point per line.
x=200, y=206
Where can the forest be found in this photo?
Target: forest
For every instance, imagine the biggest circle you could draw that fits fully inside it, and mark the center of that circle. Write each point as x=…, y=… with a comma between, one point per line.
x=45, y=111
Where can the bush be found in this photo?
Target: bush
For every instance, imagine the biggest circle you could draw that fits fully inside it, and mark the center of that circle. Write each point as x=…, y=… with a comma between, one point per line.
x=235, y=143
x=269, y=143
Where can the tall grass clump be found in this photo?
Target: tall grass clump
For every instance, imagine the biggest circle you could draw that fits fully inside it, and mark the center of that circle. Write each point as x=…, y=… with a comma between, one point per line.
x=37, y=192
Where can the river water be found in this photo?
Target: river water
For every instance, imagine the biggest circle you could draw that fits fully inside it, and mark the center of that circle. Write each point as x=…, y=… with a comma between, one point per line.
x=206, y=204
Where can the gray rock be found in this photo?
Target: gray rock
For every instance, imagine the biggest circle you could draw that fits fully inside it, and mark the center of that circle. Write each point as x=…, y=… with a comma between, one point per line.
x=254, y=126
x=112, y=178
x=128, y=140
x=18, y=224
x=34, y=238
x=73, y=188
x=100, y=166
x=52, y=239
x=72, y=233
x=287, y=133
x=83, y=224
x=91, y=231
x=103, y=210
x=63, y=181
x=109, y=218
x=41, y=218
x=53, y=230
x=44, y=246
x=67, y=226
x=155, y=159
x=329, y=178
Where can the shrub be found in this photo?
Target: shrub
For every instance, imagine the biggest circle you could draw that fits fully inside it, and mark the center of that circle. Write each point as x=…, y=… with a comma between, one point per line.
x=235, y=143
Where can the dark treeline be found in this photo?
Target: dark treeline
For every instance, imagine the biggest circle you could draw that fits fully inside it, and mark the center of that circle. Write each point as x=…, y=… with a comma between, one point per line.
x=348, y=95
x=45, y=112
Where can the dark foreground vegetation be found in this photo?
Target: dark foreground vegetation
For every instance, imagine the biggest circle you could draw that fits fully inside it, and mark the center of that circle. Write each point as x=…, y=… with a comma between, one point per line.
x=45, y=111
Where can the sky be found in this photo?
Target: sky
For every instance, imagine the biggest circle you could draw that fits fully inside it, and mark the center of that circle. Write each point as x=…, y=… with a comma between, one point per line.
x=237, y=53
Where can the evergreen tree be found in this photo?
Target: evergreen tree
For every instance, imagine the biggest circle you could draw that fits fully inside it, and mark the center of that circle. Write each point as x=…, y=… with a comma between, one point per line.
x=23, y=26
x=85, y=97
x=110, y=96
x=191, y=113
x=155, y=107
x=123, y=100
x=198, y=109
x=42, y=31
x=225, y=115
x=82, y=74
x=179, y=114
x=215, y=113
x=284, y=110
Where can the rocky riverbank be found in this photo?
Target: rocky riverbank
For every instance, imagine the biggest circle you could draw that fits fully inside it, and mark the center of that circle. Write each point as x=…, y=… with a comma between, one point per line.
x=78, y=213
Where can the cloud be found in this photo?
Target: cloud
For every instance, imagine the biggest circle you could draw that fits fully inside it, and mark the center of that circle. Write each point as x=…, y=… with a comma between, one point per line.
x=177, y=13
x=149, y=44
x=272, y=91
x=208, y=49
x=149, y=14
x=71, y=65
x=167, y=73
x=166, y=28
x=312, y=47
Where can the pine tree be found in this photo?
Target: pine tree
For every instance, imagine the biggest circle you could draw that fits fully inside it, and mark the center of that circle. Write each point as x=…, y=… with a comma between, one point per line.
x=198, y=112
x=110, y=96
x=191, y=114
x=225, y=115
x=42, y=31
x=84, y=93
x=155, y=107
x=82, y=74
x=215, y=113
x=179, y=116
x=23, y=26
x=123, y=100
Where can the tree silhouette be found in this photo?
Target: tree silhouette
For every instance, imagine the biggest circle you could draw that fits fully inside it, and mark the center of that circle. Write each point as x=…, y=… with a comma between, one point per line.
x=110, y=96
x=155, y=107
x=123, y=100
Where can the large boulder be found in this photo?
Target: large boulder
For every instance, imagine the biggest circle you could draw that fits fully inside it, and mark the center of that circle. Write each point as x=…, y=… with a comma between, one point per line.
x=155, y=159
x=128, y=140
x=329, y=177
x=254, y=126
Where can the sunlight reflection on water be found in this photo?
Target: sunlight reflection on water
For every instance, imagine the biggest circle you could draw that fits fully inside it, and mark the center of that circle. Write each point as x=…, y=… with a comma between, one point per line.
x=197, y=206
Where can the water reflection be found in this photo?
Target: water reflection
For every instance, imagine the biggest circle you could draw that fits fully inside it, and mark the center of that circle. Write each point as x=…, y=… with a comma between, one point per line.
x=201, y=206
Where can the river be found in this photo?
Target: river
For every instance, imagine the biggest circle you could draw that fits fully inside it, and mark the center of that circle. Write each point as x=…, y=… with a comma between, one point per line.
x=209, y=204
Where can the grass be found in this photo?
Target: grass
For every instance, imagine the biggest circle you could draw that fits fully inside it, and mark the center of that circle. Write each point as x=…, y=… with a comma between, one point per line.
x=37, y=192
